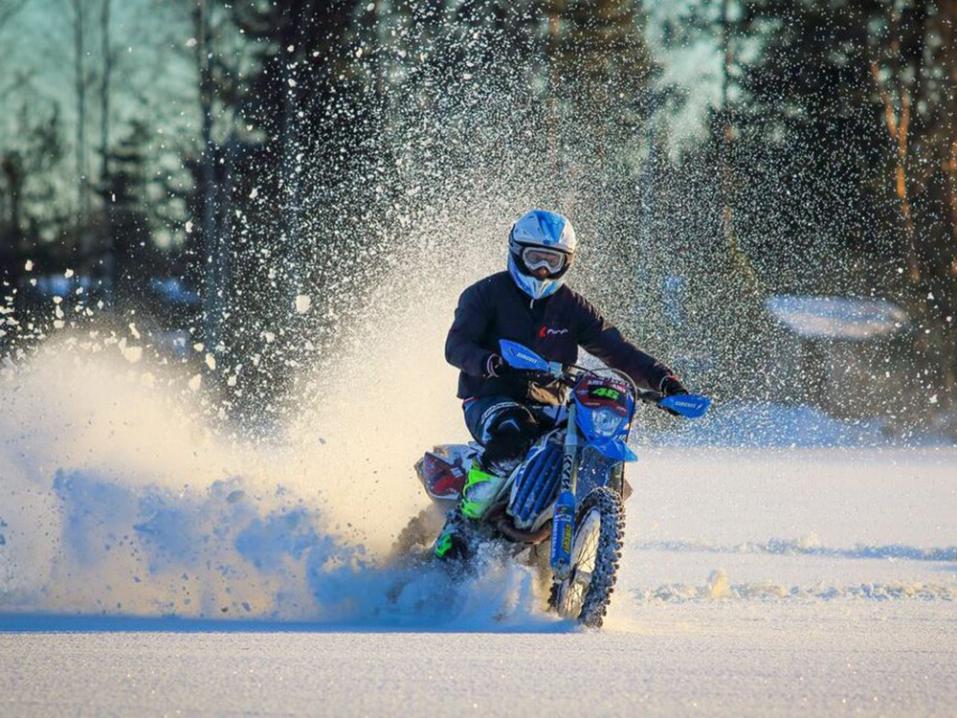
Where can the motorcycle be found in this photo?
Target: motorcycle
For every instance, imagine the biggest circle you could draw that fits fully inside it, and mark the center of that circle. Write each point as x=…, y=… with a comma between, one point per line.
x=570, y=489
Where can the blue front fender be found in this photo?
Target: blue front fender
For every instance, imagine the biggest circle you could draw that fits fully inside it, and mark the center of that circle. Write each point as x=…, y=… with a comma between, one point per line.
x=614, y=449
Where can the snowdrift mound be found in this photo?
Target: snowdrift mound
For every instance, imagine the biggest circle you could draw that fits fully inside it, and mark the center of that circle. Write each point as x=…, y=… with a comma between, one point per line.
x=718, y=587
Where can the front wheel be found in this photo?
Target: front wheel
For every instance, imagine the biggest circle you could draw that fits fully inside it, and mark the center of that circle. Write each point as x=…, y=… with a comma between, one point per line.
x=596, y=551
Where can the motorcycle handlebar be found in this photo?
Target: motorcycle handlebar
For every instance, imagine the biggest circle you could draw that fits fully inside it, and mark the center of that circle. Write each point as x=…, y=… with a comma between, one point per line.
x=545, y=377
x=571, y=376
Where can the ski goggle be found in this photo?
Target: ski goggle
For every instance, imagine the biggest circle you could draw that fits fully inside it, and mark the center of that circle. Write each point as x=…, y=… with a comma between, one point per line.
x=538, y=257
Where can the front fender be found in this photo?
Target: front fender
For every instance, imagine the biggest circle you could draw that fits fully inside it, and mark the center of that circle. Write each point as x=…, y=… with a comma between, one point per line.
x=614, y=449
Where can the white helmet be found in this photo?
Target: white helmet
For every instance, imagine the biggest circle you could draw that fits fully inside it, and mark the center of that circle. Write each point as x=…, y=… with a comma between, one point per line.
x=540, y=239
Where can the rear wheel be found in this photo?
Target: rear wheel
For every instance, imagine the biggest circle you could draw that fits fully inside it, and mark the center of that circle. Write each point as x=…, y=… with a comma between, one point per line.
x=596, y=551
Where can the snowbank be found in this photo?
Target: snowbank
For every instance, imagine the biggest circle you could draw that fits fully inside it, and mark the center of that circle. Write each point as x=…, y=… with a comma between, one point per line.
x=837, y=317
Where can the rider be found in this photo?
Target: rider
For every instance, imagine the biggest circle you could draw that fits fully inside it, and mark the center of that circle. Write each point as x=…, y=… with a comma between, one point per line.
x=530, y=304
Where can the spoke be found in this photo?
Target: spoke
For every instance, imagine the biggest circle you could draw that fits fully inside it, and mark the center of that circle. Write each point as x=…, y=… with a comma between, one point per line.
x=589, y=553
x=584, y=558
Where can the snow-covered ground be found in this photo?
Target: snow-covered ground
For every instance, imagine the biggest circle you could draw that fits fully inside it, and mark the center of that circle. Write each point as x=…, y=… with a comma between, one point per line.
x=148, y=564
x=759, y=581
x=712, y=659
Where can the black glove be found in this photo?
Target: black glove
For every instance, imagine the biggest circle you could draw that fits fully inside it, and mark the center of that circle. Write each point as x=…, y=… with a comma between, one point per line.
x=495, y=366
x=671, y=385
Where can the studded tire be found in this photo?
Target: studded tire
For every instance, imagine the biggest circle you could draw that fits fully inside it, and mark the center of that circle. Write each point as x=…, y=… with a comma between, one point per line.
x=585, y=595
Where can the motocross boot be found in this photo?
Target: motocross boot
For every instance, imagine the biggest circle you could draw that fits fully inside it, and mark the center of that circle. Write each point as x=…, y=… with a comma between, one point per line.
x=452, y=543
x=481, y=488
x=510, y=436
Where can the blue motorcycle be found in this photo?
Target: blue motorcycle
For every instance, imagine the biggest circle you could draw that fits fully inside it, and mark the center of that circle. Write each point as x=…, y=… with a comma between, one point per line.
x=562, y=508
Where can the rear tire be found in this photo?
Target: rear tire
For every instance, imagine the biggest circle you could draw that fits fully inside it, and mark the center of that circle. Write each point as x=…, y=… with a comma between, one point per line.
x=596, y=551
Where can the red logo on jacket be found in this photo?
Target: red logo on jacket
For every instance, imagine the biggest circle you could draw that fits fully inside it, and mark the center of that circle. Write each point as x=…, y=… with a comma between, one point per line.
x=545, y=332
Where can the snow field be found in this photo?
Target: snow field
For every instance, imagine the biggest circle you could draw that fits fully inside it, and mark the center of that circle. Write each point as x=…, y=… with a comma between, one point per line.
x=712, y=659
x=761, y=581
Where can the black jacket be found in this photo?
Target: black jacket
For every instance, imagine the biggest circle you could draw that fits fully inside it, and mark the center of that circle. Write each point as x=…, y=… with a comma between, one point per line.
x=495, y=308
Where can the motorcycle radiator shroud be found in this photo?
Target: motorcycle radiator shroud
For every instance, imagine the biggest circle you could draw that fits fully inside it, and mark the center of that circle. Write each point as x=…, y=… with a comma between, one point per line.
x=535, y=487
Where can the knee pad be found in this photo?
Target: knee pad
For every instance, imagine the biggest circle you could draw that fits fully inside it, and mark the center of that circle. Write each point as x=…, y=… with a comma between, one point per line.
x=509, y=420
x=510, y=432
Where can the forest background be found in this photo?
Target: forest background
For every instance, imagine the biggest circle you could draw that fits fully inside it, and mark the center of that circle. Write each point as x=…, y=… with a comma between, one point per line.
x=213, y=171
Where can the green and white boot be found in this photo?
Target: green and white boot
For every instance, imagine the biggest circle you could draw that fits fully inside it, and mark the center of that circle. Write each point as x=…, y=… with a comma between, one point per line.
x=480, y=490
x=452, y=544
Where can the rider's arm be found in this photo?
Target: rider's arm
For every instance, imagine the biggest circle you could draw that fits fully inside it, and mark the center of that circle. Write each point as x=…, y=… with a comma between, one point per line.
x=603, y=340
x=462, y=347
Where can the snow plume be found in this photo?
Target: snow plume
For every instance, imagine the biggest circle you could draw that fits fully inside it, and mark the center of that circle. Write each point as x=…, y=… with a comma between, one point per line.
x=126, y=486
x=117, y=496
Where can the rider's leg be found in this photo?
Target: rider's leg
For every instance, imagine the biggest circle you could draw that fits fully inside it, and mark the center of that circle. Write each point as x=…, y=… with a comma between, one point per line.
x=506, y=428
x=453, y=541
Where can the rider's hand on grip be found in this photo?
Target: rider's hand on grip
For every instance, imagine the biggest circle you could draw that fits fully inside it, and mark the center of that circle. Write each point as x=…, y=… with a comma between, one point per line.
x=670, y=386
x=496, y=367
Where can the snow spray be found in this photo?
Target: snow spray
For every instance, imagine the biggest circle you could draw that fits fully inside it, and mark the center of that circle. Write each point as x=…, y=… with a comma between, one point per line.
x=121, y=494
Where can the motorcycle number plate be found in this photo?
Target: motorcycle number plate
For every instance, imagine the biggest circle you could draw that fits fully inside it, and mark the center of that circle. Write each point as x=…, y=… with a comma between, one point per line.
x=596, y=393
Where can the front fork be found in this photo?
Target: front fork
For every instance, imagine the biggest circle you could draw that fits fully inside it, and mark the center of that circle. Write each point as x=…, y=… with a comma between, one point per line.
x=563, y=522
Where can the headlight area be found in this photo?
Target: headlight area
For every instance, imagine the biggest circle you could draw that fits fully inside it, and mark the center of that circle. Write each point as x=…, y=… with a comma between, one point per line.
x=606, y=422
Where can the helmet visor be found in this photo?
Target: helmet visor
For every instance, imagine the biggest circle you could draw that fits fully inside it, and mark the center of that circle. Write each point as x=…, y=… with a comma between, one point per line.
x=539, y=257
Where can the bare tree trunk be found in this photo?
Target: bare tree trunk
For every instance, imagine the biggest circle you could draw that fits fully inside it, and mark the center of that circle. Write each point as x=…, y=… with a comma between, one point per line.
x=950, y=171
x=948, y=161
x=212, y=287
x=897, y=123
x=107, y=56
x=79, y=52
x=739, y=259
x=105, y=181
x=950, y=367
x=901, y=96
x=949, y=31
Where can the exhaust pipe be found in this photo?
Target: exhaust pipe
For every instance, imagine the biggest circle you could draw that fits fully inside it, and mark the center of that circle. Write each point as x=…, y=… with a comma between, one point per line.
x=505, y=526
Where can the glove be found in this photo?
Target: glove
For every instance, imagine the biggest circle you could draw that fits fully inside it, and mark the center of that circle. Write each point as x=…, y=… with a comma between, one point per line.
x=671, y=385
x=495, y=366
